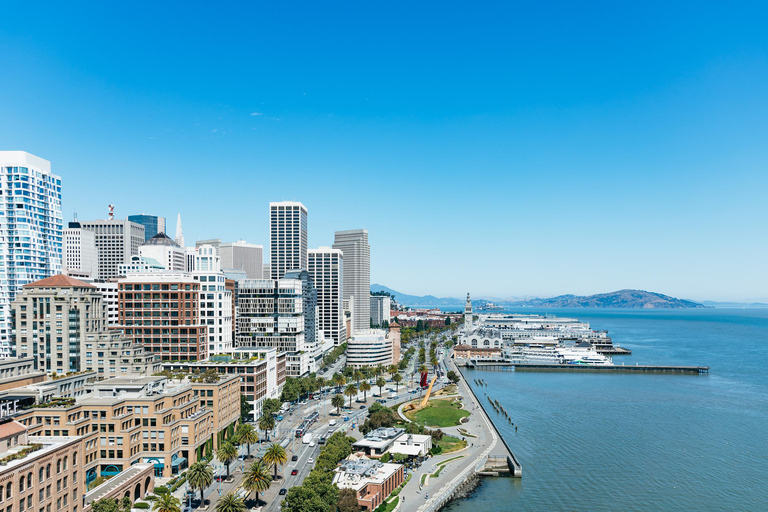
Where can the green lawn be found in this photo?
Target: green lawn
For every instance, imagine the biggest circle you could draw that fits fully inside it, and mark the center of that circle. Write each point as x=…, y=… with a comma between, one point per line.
x=445, y=412
x=451, y=444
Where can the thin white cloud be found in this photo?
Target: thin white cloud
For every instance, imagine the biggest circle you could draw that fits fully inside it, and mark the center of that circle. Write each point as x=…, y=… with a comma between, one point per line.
x=257, y=114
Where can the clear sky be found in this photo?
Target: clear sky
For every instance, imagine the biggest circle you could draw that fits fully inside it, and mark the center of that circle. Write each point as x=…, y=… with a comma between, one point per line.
x=507, y=149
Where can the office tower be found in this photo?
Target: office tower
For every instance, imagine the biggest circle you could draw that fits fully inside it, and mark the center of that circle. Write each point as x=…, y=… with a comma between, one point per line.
x=161, y=310
x=266, y=271
x=325, y=266
x=215, y=300
x=79, y=256
x=380, y=309
x=370, y=348
x=270, y=314
x=152, y=224
x=243, y=256
x=189, y=254
x=167, y=252
x=288, y=237
x=179, y=232
x=357, y=274
x=216, y=242
x=31, y=229
x=309, y=307
x=62, y=323
x=116, y=241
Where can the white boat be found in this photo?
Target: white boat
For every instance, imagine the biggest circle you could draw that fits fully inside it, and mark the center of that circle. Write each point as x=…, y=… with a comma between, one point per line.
x=580, y=354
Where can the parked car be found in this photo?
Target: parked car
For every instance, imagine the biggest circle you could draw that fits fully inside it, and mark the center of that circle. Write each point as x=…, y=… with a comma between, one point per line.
x=283, y=491
x=346, y=418
x=294, y=472
x=362, y=407
x=279, y=418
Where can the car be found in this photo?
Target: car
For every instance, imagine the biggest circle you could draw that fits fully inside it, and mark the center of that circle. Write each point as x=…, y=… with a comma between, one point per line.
x=312, y=443
x=346, y=418
x=283, y=491
x=279, y=418
x=362, y=407
x=294, y=472
x=294, y=458
x=310, y=460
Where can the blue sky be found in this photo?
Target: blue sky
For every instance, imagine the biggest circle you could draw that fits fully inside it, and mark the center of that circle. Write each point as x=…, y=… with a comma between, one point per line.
x=507, y=149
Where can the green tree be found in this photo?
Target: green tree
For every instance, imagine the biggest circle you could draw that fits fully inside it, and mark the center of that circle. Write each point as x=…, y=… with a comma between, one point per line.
x=210, y=376
x=200, y=476
x=266, y=423
x=365, y=388
x=245, y=408
x=106, y=505
x=393, y=369
x=423, y=369
x=338, y=402
x=350, y=391
x=381, y=383
x=247, y=435
x=304, y=499
x=226, y=454
x=397, y=378
x=257, y=478
x=275, y=455
x=358, y=375
x=166, y=503
x=447, y=320
x=338, y=380
x=452, y=376
x=126, y=503
x=230, y=502
x=348, y=501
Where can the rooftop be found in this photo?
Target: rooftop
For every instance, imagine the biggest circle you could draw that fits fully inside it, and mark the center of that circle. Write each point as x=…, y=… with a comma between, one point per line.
x=59, y=281
x=161, y=239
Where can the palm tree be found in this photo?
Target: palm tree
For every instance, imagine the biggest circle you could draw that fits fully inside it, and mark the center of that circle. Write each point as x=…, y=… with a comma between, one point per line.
x=257, y=478
x=230, y=502
x=378, y=370
x=338, y=402
x=275, y=455
x=365, y=387
x=266, y=423
x=248, y=435
x=226, y=454
x=393, y=369
x=338, y=380
x=350, y=391
x=166, y=502
x=423, y=369
x=358, y=375
x=200, y=476
x=381, y=383
x=397, y=378
x=321, y=383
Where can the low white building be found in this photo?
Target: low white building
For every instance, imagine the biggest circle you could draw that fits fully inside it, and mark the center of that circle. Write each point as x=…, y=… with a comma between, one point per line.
x=170, y=254
x=412, y=444
x=369, y=348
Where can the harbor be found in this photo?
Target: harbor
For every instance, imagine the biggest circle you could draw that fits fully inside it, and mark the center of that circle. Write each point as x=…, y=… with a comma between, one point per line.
x=501, y=365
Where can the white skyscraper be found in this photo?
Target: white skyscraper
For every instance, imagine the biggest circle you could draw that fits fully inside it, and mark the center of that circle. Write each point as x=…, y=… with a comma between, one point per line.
x=357, y=274
x=241, y=255
x=79, y=256
x=288, y=237
x=325, y=267
x=31, y=228
x=116, y=241
x=215, y=300
x=179, y=232
x=381, y=307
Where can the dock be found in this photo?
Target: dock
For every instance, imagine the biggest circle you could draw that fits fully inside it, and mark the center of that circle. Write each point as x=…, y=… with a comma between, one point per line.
x=613, y=351
x=611, y=368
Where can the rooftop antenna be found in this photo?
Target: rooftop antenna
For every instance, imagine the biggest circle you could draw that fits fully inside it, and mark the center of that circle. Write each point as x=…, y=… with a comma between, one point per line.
x=75, y=219
x=111, y=212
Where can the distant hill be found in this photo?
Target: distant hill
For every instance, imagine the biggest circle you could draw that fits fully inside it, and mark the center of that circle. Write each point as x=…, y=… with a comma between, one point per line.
x=417, y=301
x=619, y=299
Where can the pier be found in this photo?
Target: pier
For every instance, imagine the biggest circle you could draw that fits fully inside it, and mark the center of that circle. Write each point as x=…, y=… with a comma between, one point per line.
x=611, y=368
x=613, y=351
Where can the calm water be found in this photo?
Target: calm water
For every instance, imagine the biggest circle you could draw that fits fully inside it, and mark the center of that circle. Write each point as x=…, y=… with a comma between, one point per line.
x=591, y=442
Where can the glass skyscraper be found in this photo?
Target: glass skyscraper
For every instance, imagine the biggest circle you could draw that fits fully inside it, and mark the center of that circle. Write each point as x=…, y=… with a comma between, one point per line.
x=152, y=224
x=31, y=230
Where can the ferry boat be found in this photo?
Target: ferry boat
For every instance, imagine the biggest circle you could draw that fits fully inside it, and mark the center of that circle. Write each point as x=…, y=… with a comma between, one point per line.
x=580, y=354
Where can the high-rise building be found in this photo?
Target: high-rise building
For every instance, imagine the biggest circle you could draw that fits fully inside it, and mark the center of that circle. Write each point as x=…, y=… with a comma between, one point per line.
x=309, y=296
x=31, y=229
x=161, y=310
x=179, y=232
x=62, y=323
x=164, y=250
x=288, y=237
x=215, y=300
x=266, y=271
x=243, y=256
x=116, y=241
x=380, y=309
x=152, y=224
x=325, y=266
x=357, y=274
x=270, y=313
x=79, y=256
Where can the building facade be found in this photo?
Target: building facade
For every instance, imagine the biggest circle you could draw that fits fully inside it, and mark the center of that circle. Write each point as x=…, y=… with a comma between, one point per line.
x=215, y=300
x=288, y=237
x=270, y=313
x=31, y=229
x=161, y=311
x=325, y=266
x=165, y=251
x=357, y=274
x=79, y=256
x=241, y=255
x=116, y=241
x=152, y=224
x=380, y=310
x=370, y=348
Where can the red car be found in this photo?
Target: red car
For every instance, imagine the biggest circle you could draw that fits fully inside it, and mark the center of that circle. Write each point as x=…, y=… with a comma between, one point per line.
x=294, y=472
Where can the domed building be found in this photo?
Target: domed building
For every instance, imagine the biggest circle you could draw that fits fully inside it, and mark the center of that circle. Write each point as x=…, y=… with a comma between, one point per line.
x=163, y=249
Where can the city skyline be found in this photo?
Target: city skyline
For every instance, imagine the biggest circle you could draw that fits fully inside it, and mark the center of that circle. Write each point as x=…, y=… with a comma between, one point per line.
x=583, y=155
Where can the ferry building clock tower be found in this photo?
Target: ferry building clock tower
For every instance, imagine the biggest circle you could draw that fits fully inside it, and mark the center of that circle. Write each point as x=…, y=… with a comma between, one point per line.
x=468, y=314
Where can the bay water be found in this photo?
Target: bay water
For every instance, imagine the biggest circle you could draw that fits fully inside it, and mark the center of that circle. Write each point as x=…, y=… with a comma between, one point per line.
x=640, y=442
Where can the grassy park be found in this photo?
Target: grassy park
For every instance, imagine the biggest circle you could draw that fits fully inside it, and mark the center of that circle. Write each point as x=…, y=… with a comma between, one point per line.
x=446, y=412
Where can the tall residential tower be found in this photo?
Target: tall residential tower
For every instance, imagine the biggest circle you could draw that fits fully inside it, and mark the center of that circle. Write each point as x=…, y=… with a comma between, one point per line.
x=288, y=237
x=357, y=274
x=325, y=268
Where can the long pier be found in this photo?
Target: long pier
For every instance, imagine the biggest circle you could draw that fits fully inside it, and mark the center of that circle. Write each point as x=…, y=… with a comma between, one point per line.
x=610, y=368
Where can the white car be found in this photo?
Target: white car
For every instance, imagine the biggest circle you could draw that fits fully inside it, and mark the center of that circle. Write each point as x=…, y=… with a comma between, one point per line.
x=310, y=460
x=312, y=443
